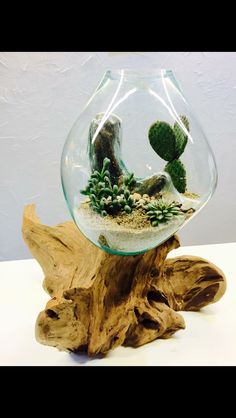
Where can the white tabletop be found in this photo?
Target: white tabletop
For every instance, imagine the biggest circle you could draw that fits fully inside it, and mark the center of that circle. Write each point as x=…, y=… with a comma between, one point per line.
x=209, y=337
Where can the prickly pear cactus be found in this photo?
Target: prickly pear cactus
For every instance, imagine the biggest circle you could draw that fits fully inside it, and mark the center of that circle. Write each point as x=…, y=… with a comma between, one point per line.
x=181, y=136
x=169, y=143
x=162, y=139
x=177, y=173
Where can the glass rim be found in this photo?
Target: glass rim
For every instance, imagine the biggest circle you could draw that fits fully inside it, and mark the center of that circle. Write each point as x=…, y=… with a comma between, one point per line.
x=140, y=72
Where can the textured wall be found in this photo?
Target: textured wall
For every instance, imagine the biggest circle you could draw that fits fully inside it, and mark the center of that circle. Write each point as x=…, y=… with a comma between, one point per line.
x=41, y=94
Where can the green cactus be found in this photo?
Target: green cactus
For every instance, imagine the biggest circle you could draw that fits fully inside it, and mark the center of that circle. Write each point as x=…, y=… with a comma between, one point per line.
x=106, y=198
x=169, y=143
x=181, y=137
x=160, y=211
x=162, y=139
x=185, y=121
x=177, y=173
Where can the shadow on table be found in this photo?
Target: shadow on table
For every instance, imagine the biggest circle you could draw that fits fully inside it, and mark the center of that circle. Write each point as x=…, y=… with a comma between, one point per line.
x=81, y=358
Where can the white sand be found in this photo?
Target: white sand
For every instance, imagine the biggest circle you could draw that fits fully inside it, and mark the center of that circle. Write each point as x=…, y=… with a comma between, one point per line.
x=121, y=238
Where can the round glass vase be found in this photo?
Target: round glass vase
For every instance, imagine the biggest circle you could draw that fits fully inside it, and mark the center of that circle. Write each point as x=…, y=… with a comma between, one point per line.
x=136, y=165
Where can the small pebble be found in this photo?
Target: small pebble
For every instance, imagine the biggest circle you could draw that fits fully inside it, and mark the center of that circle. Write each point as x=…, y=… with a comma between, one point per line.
x=136, y=196
x=141, y=201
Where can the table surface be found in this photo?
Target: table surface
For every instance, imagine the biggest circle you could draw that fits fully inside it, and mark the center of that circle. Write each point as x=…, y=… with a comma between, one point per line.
x=209, y=337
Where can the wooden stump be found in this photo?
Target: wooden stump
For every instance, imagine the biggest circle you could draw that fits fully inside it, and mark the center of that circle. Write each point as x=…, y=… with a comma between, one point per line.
x=100, y=301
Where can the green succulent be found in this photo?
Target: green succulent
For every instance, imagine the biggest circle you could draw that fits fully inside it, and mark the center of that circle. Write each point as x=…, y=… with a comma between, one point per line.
x=185, y=121
x=129, y=181
x=162, y=139
x=106, y=198
x=177, y=173
x=169, y=143
x=160, y=211
x=181, y=137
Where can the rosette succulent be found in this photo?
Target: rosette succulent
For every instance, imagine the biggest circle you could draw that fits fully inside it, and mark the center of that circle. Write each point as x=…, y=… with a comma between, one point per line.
x=160, y=211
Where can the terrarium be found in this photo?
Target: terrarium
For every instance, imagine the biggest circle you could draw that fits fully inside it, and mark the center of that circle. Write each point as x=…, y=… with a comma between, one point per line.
x=136, y=166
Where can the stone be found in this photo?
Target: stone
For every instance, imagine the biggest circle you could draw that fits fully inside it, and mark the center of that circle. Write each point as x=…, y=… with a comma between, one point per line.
x=151, y=185
x=105, y=142
x=136, y=196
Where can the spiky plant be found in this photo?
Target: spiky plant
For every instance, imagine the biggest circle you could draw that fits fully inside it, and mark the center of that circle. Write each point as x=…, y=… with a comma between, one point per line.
x=177, y=173
x=106, y=198
x=129, y=181
x=160, y=211
x=169, y=143
x=162, y=139
x=181, y=136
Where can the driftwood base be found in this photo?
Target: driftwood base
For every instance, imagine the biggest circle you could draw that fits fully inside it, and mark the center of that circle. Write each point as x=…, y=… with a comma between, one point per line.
x=100, y=301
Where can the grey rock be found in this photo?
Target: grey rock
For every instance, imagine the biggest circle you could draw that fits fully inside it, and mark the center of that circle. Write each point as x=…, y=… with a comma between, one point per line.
x=105, y=141
x=151, y=185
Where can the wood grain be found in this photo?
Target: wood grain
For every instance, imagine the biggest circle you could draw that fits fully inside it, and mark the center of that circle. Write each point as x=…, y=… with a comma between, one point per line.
x=100, y=301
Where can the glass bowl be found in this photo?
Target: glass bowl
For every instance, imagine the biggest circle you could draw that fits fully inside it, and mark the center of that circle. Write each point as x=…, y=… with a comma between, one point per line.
x=136, y=165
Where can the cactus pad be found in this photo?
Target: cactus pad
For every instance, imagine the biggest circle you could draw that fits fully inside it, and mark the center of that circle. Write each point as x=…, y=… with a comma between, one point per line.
x=181, y=137
x=177, y=173
x=162, y=139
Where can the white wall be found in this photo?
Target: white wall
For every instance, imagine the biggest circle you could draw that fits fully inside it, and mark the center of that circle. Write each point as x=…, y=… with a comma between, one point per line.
x=41, y=95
